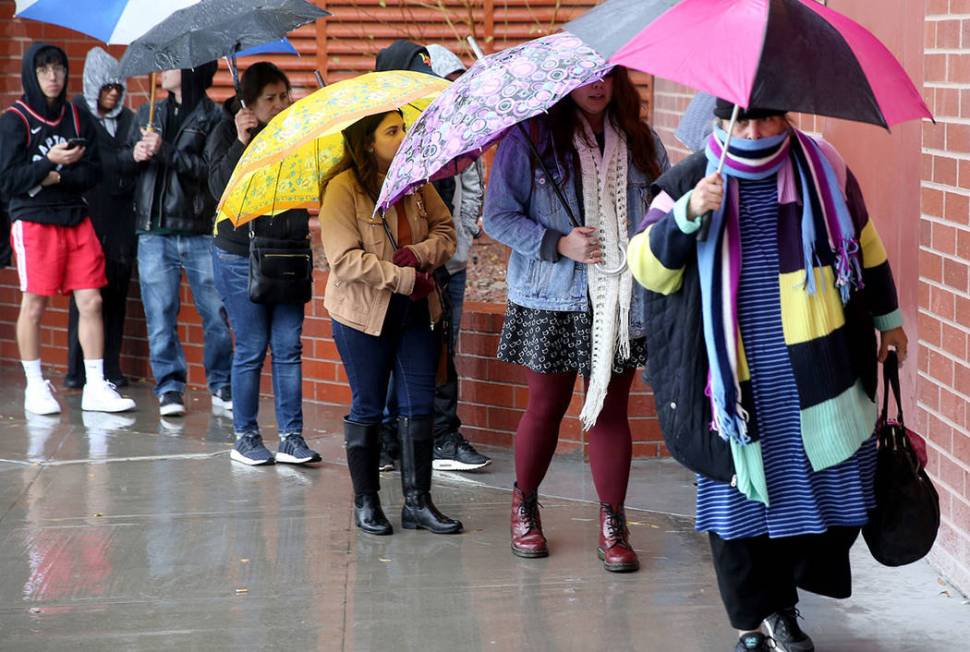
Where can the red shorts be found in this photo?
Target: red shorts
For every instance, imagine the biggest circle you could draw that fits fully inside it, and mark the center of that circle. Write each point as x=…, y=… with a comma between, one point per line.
x=55, y=259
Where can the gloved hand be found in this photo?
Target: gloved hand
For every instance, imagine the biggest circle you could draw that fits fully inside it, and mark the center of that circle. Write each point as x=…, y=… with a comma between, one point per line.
x=404, y=257
x=423, y=286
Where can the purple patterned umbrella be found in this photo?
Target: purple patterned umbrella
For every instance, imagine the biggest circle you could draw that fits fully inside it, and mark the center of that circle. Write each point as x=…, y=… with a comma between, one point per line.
x=495, y=94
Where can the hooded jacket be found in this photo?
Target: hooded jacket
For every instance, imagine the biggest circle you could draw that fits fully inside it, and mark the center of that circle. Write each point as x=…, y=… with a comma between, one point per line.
x=469, y=193
x=28, y=130
x=222, y=152
x=407, y=55
x=110, y=202
x=444, y=61
x=404, y=55
x=171, y=192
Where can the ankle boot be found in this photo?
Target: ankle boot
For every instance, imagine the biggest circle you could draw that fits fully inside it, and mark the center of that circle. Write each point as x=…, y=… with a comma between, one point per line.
x=419, y=512
x=614, y=548
x=527, y=538
x=363, y=448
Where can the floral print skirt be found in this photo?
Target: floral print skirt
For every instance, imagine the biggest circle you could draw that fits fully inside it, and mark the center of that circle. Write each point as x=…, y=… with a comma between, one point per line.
x=554, y=342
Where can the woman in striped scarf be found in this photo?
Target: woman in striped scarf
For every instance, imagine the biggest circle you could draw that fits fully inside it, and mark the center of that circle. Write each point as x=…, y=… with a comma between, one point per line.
x=788, y=289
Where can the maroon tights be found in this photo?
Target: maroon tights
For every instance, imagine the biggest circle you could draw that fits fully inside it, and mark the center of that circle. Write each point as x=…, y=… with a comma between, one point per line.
x=610, y=441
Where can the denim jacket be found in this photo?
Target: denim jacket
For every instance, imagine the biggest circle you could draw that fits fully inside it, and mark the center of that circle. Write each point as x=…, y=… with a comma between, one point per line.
x=523, y=212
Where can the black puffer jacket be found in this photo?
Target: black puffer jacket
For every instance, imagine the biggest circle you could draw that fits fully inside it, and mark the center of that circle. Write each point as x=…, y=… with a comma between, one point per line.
x=678, y=357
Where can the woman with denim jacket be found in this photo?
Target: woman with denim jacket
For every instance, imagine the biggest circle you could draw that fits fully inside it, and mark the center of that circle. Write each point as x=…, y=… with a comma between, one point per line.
x=572, y=304
x=385, y=310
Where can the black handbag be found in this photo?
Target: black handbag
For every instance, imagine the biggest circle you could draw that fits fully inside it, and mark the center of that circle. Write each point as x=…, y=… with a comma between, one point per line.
x=280, y=271
x=903, y=525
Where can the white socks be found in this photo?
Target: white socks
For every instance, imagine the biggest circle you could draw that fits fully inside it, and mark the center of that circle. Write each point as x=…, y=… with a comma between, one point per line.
x=94, y=371
x=33, y=371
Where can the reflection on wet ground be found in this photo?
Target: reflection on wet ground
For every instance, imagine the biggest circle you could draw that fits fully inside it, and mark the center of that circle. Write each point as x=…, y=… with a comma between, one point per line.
x=134, y=532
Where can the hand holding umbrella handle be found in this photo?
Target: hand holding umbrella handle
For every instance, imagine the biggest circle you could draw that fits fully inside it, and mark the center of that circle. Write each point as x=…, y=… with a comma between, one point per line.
x=707, y=217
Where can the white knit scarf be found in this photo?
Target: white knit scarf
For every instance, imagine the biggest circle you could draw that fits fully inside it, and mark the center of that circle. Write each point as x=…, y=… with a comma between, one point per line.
x=604, y=179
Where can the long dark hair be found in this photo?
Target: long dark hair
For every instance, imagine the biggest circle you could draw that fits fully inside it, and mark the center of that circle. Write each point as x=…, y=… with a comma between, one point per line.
x=257, y=77
x=623, y=111
x=358, y=139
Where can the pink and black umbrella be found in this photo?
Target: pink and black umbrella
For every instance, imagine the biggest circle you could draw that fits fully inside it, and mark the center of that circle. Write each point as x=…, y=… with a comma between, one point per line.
x=792, y=55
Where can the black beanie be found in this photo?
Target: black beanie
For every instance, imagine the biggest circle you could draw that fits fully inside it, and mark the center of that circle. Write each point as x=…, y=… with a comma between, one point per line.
x=724, y=108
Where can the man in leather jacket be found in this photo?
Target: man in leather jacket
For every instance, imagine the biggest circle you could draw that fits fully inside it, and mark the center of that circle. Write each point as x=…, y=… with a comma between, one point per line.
x=173, y=216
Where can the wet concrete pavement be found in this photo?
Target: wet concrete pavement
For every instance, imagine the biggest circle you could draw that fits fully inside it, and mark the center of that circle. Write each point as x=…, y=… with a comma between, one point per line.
x=133, y=532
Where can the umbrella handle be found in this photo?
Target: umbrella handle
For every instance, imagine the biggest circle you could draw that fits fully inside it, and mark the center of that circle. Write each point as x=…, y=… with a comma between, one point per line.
x=476, y=50
x=706, y=218
x=151, y=102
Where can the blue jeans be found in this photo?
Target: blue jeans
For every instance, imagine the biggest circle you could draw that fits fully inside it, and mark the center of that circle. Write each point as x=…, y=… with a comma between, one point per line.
x=161, y=259
x=258, y=326
x=406, y=346
x=446, y=419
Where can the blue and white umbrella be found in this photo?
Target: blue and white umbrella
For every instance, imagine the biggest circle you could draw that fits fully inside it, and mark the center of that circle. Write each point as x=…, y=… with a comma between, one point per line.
x=117, y=22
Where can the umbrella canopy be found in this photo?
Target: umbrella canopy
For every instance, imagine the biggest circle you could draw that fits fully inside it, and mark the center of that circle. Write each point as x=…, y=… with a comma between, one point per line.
x=213, y=29
x=609, y=26
x=792, y=55
x=495, y=94
x=118, y=22
x=282, y=167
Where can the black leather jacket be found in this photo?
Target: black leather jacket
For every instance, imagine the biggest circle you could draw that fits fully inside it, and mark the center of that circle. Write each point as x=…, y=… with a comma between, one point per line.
x=184, y=202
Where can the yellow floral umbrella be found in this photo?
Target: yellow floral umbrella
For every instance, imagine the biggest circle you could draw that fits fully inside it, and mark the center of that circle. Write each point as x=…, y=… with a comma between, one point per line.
x=282, y=167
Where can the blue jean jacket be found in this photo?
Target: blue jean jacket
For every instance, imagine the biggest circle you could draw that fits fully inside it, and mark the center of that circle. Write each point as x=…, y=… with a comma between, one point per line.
x=523, y=212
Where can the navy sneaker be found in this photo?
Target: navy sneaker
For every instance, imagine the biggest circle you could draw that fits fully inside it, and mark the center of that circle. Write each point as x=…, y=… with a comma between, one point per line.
x=249, y=449
x=293, y=450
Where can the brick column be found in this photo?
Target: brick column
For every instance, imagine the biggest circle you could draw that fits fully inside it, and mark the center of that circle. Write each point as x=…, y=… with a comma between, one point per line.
x=944, y=289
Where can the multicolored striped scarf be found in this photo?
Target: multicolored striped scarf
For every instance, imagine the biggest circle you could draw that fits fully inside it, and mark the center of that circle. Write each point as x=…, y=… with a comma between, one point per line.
x=719, y=257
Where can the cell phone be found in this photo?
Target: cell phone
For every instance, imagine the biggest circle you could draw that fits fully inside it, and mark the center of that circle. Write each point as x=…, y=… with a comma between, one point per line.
x=76, y=142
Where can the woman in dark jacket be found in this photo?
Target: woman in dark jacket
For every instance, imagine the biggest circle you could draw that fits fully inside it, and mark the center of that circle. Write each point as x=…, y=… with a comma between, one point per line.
x=264, y=92
x=111, y=211
x=768, y=315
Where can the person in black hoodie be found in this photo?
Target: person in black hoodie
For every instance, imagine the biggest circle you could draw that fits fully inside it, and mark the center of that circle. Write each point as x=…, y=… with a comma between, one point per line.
x=48, y=159
x=110, y=205
x=174, y=213
x=264, y=92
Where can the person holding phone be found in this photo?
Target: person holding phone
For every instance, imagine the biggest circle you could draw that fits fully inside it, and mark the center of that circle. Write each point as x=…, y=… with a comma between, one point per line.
x=44, y=178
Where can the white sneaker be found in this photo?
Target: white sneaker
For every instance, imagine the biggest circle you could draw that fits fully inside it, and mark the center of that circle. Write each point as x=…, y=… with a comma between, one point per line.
x=39, y=398
x=100, y=421
x=103, y=397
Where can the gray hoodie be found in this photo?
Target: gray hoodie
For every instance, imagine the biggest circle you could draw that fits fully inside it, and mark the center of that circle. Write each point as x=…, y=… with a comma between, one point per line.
x=470, y=184
x=101, y=69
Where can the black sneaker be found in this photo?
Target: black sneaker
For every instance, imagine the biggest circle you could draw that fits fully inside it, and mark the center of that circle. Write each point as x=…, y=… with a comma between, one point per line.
x=754, y=642
x=453, y=453
x=249, y=449
x=293, y=450
x=789, y=637
x=170, y=404
x=222, y=398
x=386, y=462
x=390, y=447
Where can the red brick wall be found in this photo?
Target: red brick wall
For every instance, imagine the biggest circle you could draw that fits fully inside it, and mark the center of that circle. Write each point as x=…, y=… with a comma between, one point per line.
x=944, y=268
x=493, y=393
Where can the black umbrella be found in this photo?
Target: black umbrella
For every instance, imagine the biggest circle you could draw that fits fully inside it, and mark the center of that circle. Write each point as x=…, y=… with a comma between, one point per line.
x=609, y=26
x=212, y=29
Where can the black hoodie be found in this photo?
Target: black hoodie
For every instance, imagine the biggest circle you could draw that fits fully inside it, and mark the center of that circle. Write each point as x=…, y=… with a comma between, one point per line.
x=404, y=55
x=407, y=55
x=28, y=130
